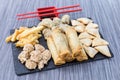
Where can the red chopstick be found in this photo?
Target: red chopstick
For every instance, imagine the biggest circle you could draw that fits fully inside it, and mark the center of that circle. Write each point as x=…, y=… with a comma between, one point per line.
x=65, y=7
x=24, y=17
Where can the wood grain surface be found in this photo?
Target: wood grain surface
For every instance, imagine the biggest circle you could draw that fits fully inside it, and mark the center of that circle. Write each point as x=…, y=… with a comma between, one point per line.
x=104, y=12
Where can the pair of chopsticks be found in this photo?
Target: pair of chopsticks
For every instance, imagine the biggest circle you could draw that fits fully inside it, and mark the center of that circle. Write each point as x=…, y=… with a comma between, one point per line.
x=25, y=15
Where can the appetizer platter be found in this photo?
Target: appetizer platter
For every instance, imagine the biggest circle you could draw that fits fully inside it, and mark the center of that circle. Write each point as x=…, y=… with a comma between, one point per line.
x=55, y=43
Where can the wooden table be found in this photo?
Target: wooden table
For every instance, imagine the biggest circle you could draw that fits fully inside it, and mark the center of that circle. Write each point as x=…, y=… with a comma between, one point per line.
x=104, y=12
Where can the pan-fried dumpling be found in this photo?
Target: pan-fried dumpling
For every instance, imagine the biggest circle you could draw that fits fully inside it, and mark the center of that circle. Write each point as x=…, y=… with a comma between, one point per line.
x=65, y=19
x=85, y=35
x=104, y=50
x=91, y=25
x=90, y=51
x=79, y=28
x=94, y=32
x=99, y=42
x=84, y=20
x=75, y=23
x=86, y=41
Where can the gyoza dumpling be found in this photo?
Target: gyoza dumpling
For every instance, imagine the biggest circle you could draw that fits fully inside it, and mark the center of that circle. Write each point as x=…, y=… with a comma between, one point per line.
x=79, y=28
x=84, y=20
x=75, y=23
x=94, y=32
x=90, y=51
x=86, y=41
x=91, y=25
x=99, y=42
x=104, y=50
x=85, y=35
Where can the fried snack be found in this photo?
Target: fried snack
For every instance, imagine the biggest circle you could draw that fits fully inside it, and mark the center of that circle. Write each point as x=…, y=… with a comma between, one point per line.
x=23, y=56
x=90, y=51
x=86, y=35
x=65, y=19
x=8, y=39
x=25, y=35
x=104, y=50
x=75, y=23
x=15, y=34
x=31, y=31
x=57, y=60
x=99, y=42
x=46, y=32
x=60, y=43
x=83, y=56
x=47, y=23
x=30, y=64
x=84, y=20
x=86, y=41
x=28, y=47
x=94, y=32
x=79, y=29
x=74, y=43
x=92, y=26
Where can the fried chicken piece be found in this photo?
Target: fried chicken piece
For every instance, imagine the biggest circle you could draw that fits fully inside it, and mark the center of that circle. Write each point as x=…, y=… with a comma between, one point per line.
x=23, y=56
x=35, y=56
x=41, y=65
x=39, y=47
x=28, y=47
x=46, y=55
x=30, y=64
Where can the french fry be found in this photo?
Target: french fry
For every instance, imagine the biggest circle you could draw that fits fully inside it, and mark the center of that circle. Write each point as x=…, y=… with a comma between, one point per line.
x=8, y=39
x=31, y=31
x=13, y=39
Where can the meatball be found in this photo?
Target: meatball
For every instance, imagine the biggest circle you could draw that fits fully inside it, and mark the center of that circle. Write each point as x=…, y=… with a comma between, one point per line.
x=46, y=55
x=65, y=19
x=39, y=47
x=23, y=56
x=35, y=56
x=41, y=65
x=28, y=47
x=30, y=64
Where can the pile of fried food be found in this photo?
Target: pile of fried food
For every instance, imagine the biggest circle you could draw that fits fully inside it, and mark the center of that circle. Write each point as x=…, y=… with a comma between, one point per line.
x=33, y=56
x=25, y=35
x=66, y=39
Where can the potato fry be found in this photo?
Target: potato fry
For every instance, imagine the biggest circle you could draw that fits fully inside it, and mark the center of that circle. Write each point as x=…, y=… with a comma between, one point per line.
x=31, y=31
x=13, y=39
x=8, y=39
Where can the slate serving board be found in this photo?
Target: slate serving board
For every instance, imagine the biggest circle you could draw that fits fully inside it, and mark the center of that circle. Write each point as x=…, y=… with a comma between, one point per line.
x=20, y=69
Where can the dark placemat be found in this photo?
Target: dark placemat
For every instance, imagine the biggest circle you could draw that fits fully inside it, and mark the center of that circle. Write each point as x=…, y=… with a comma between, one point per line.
x=20, y=69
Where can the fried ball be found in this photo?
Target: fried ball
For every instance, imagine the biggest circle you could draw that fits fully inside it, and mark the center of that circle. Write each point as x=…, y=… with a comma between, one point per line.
x=28, y=47
x=23, y=56
x=46, y=55
x=39, y=47
x=40, y=65
x=30, y=64
x=35, y=56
